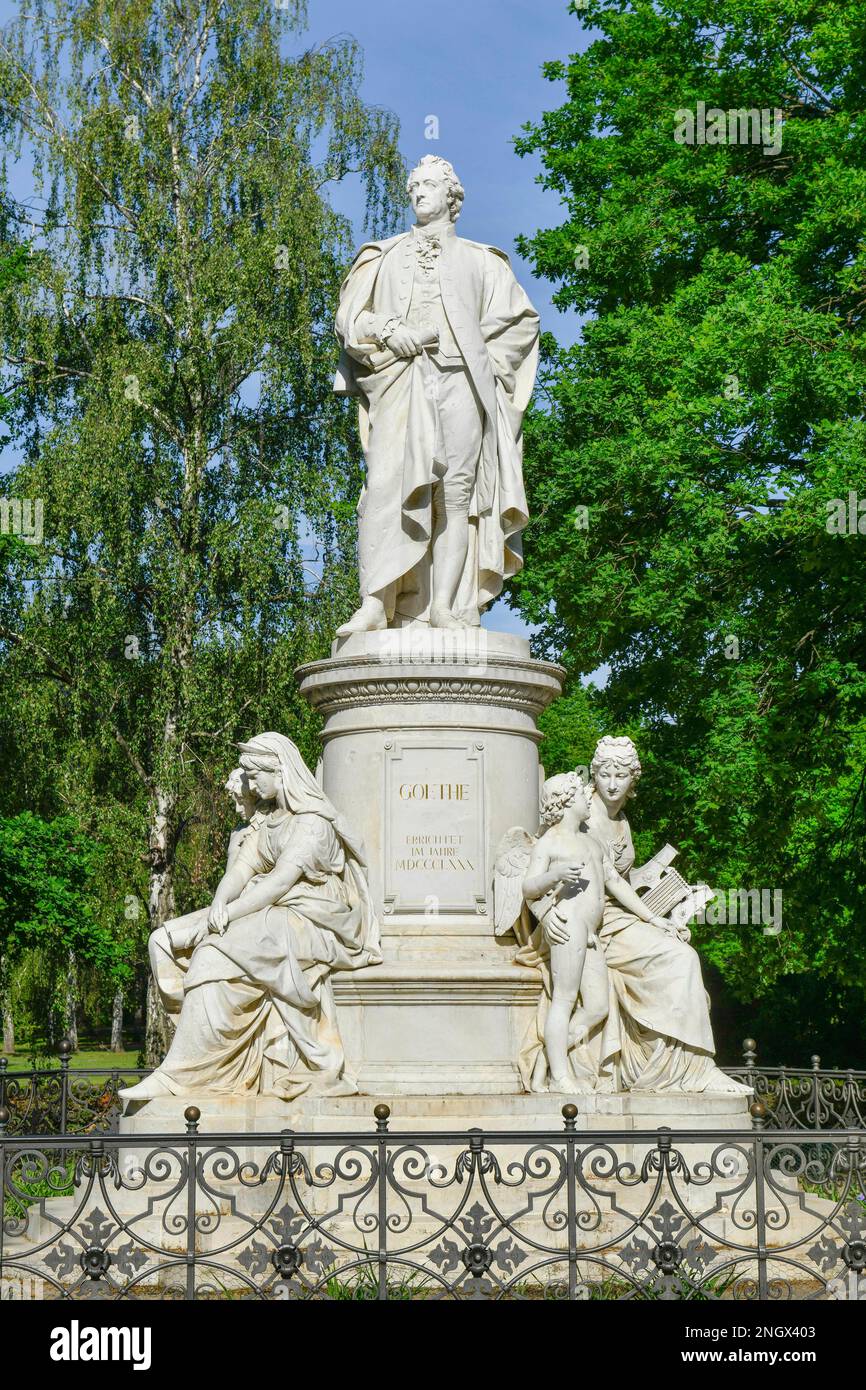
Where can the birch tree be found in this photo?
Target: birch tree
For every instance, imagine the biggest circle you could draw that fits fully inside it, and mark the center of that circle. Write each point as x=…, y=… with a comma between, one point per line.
x=169, y=360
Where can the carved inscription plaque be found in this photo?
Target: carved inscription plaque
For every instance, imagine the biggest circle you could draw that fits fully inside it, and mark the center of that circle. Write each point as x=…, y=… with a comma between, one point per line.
x=434, y=818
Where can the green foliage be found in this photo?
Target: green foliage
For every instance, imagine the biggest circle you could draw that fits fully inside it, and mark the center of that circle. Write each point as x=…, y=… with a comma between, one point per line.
x=51, y=924
x=571, y=727
x=13, y=271
x=706, y=421
x=171, y=354
x=45, y=870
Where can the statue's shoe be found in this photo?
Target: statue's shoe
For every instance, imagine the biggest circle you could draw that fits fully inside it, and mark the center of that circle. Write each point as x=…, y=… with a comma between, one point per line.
x=370, y=617
x=720, y=1084
x=149, y=1089
x=440, y=616
x=567, y=1086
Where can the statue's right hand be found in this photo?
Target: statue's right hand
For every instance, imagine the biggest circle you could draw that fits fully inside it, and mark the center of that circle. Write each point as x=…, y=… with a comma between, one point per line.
x=568, y=871
x=664, y=925
x=403, y=342
x=218, y=917
x=555, y=929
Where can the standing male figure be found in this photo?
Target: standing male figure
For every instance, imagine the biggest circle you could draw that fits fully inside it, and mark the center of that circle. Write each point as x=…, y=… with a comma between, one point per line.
x=440, y=345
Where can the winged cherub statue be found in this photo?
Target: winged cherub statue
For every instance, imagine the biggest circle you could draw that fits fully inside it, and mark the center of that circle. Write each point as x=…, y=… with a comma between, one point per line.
x=567, y=873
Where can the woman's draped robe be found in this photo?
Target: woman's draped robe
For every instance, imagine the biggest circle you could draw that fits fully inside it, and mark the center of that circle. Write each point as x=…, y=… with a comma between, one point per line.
x=256, y=1005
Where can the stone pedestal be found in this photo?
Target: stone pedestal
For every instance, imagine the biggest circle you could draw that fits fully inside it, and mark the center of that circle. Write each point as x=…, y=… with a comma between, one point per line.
x=430, y=749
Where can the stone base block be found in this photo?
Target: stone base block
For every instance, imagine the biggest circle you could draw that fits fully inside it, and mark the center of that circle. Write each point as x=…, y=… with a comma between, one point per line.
x=421, y=1028
x=454, y=1114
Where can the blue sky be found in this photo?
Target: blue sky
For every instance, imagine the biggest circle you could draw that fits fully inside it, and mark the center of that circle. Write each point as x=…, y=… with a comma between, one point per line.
x=476, y=66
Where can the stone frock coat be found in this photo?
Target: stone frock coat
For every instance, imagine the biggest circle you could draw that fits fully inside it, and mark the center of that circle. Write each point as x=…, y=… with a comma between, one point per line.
x=496, y=329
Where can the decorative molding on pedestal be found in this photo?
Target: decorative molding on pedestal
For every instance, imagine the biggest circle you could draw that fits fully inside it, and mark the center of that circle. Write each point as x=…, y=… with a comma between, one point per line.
x=482, y=669
x=420, y=984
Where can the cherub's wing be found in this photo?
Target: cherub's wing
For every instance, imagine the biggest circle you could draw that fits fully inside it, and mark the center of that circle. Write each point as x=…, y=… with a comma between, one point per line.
x=509, y=871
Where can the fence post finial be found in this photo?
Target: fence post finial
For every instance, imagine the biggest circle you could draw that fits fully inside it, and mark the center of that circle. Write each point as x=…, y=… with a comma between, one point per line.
x=65, y=1050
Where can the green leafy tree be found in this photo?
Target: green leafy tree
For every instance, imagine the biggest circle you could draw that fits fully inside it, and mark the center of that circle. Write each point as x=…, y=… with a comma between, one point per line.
x=688, y=456
x=13, y=271
x=50, y=928
x=171, y=356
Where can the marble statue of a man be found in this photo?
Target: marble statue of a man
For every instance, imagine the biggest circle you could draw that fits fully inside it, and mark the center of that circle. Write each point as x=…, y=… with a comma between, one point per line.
x=440, y=345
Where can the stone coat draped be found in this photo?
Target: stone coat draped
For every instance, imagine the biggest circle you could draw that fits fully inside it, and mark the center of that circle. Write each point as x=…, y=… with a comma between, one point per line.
x=496, y=330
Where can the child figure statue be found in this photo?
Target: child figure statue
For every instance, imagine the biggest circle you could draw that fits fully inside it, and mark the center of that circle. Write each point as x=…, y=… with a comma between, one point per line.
x=567, y=877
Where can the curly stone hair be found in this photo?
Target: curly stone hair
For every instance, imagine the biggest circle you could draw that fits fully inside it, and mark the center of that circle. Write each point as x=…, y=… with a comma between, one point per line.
x=617, y=750
x=558, y=793
x=456, y=192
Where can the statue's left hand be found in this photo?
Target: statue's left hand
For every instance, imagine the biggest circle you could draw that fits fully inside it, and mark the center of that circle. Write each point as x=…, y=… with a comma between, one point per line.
x=218, y=917
x=664, y=925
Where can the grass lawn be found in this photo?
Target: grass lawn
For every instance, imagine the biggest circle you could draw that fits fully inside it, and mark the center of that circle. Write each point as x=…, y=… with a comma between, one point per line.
x=20, y=1061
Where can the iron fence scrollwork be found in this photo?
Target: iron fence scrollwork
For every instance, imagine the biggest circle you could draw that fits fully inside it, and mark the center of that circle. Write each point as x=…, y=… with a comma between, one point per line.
x=561, y=1215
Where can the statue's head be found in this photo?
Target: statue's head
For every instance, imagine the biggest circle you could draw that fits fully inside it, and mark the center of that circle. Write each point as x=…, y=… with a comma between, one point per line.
x=277, y=773
x=260, y=765
x=434, y=190
x=558, y=793
x=615, y=770
x=237, y=785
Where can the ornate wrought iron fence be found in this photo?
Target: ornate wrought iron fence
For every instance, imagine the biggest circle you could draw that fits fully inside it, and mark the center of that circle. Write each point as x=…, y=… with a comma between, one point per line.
x=66, y=1099
x=562, y=1215
x=796, y=1098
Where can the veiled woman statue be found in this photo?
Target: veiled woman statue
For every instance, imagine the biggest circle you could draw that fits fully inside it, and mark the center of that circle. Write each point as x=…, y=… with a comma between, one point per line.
x=250, y=975
x=657, y=1036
